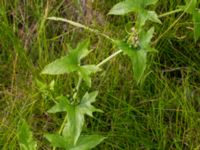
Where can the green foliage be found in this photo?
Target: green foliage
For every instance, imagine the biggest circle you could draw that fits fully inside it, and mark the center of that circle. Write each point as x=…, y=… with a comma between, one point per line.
x=138, y=7
x=72, y=63
x=139, y=44
x=75, y=120
x=191, y=8
x=138, y=54
x=25, y=137
x=85, y=142
x=162, y=113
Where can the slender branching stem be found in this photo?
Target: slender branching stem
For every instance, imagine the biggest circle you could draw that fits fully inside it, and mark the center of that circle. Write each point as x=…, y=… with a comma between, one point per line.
x=170, y=13
x=100, y=64
x=76, y=24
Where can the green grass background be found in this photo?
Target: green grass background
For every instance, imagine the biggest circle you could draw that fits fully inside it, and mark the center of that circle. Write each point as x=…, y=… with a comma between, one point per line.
x=162, y=113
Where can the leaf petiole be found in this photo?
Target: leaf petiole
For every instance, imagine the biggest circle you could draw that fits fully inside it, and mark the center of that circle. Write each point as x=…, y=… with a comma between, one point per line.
x=109, y=58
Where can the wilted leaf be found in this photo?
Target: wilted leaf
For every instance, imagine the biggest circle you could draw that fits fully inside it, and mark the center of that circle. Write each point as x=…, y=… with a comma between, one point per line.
x=88, y=142
x=25, y=137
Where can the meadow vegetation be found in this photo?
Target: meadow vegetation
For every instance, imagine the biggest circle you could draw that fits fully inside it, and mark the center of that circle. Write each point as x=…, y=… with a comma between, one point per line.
x=157, y=109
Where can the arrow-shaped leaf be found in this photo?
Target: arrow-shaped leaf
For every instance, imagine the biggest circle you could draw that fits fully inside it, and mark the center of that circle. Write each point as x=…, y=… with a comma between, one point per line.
x=137, y=6
x=145, y=37
x=69, y=63
x=85, y=106
x=72, y=63
x=61, y=106
x=88, y=142
x=85, y=72
x=75, y=117
x=56, y=140
x=138, y=55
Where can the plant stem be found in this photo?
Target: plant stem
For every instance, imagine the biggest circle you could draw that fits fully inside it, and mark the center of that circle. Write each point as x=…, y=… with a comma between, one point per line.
x=77, y=87
x=170, y=13
x=76, y=24
x=109, y=58
x=100, y=64
x=74, y=97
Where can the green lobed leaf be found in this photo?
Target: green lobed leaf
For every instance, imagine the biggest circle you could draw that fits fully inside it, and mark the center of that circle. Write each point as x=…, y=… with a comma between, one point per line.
x=56, y=140
x=138, y=59
x=145, y=15
x=61, y=106
x=66, y=64
x=138, y=55
x=88, y=142
x=196, y=20
x=128, y=6
x=69, y=63
x=145, y=37
x=85, y=106
x=25, y=137
x=138, y=7
x=149, y=2
x=152, y=16
x=122, y=8
x=85, y=72
x=75, y=117
x=73, y=128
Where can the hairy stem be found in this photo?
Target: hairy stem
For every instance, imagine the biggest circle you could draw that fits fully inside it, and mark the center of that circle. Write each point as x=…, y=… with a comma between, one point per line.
x=76, y=24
